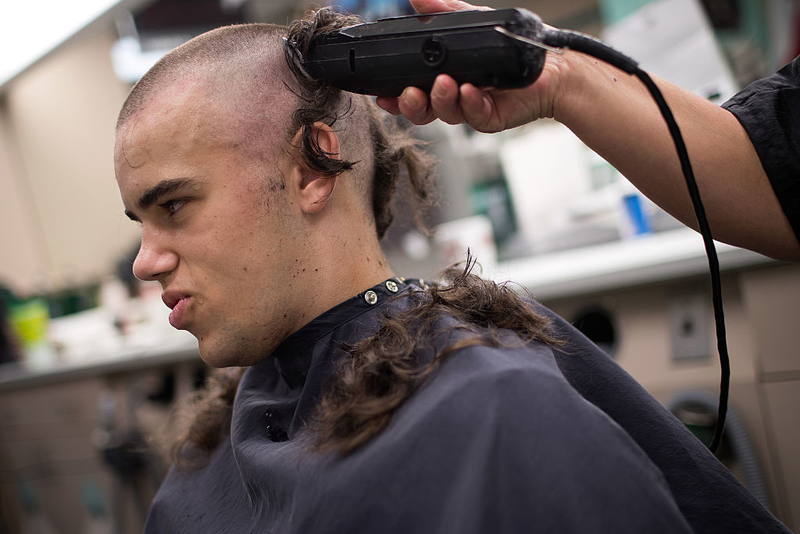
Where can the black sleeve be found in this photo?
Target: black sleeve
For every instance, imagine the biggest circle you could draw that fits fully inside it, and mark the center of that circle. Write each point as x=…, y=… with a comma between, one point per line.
x=769, y=110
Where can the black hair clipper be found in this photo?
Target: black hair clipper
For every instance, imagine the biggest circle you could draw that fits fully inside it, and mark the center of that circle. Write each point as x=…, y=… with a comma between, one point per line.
x=382, y=58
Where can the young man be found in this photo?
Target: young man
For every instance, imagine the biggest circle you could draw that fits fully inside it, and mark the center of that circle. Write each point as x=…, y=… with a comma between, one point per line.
x=369, y=403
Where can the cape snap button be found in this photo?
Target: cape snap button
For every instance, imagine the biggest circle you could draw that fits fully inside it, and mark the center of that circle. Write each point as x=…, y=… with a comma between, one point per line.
x=371, y=297
x=391, y=286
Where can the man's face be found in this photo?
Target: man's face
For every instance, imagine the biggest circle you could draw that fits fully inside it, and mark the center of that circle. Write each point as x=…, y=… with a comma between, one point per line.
x=218, y=231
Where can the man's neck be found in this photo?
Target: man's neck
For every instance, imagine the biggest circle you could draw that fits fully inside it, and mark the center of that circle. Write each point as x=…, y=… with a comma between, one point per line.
x=344, y=265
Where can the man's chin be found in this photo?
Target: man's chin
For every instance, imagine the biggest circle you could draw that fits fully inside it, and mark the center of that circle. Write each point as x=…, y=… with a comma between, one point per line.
x=214, y=359
x=215, y=356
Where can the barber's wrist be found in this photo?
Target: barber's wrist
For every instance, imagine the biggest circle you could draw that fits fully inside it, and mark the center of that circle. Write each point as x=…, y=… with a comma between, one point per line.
x=581, y=79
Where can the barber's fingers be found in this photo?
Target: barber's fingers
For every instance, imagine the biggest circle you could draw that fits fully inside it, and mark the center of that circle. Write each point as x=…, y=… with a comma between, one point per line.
x=389, y=104
x=448, y=102
x=444, y=100
x=413, y=105
x=442, y=6
x=478, y=109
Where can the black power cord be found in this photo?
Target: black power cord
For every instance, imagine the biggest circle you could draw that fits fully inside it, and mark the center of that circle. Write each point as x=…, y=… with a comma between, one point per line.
x=595, y=48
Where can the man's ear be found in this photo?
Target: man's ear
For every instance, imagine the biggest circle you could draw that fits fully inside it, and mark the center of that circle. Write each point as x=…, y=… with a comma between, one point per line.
x=315, y=187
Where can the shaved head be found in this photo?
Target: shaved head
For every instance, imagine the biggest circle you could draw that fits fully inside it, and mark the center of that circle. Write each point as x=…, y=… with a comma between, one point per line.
x=234, y=61
x=241, y=69
x=262, y=99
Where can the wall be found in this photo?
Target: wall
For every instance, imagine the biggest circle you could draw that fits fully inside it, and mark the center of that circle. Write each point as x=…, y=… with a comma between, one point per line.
x=24, y=256
x=772, y=299
x=63, y=223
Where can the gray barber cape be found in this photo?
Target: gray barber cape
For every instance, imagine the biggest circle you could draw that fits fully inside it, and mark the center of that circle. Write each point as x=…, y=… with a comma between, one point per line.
x=496, y=440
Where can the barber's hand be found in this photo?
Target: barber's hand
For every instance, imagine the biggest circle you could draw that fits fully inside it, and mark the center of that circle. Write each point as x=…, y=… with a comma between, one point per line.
x=484, y=110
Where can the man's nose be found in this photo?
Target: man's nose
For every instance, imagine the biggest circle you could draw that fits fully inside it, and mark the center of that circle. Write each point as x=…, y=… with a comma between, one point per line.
x=154, y=260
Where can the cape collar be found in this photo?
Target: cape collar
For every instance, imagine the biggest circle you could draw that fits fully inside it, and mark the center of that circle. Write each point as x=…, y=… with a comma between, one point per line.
x=294, y=357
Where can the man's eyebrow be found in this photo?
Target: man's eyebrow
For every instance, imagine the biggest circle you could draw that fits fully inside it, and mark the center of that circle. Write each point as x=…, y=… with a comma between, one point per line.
x=164, y=187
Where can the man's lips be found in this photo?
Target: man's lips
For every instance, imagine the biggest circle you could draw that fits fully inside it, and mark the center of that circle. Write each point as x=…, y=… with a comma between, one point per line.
x=178, y=303
x=177, y=317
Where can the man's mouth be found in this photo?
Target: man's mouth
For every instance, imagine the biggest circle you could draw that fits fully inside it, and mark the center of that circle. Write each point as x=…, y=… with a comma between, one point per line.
x=178, y=303
x=178, y=316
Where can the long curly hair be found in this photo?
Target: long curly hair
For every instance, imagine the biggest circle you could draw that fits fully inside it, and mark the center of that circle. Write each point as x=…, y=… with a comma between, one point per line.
x=395, y=152
x=383, y=370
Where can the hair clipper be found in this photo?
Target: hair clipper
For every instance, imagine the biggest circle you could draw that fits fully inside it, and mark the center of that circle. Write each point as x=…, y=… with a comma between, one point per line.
x=384, y=57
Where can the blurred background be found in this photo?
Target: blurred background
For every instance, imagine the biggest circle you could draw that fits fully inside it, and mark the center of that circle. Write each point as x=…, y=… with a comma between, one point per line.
x=91, y=368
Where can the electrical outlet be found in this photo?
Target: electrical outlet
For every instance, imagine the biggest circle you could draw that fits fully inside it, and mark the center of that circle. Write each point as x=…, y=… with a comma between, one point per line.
x=689, y=327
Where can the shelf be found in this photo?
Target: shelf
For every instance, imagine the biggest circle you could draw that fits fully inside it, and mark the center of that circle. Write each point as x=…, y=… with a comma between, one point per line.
x=177, y=350
x=654, y=258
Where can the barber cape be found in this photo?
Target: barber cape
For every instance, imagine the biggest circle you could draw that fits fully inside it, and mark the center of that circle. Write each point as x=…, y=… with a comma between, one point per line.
x=495, y=440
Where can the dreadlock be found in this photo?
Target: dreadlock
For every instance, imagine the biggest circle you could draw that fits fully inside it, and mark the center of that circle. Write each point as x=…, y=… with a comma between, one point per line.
x=395, y=152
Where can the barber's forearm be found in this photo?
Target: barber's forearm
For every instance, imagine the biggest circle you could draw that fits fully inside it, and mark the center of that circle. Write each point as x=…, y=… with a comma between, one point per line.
x=613, y=113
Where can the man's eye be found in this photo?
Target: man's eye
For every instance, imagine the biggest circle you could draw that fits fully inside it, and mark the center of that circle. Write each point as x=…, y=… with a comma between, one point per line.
x=173, y=206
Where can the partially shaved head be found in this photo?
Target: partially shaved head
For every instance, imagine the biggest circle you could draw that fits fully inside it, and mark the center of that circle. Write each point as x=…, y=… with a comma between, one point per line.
x=244, y=61
x=241, y=69
x=252, y=77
